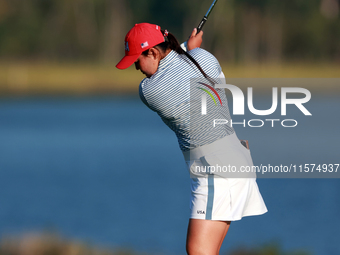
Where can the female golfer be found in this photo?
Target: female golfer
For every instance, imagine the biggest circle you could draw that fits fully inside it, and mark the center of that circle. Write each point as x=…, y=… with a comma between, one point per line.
x=180, y=88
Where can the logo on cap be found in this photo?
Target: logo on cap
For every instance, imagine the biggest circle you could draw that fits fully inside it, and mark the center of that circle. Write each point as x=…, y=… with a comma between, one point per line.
x=127, y=46
x=144, y=44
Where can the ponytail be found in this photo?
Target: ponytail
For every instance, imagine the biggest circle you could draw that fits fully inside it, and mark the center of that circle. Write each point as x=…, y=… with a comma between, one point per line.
x=172, y=43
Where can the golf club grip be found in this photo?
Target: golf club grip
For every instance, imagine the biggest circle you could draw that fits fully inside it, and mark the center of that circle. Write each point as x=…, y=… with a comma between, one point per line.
x=200, y=26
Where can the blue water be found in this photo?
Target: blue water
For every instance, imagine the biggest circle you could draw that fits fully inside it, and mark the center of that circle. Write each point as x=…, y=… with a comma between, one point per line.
x=107, y=171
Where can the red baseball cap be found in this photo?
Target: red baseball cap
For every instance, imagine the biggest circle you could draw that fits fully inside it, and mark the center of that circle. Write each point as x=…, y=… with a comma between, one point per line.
x=141, y=37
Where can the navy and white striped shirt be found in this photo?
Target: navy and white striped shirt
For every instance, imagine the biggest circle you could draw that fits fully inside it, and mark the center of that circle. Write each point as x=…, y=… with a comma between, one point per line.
x=174, y=92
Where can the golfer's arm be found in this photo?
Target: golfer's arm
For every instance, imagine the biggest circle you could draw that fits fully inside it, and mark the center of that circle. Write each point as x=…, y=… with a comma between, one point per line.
x=195, y=40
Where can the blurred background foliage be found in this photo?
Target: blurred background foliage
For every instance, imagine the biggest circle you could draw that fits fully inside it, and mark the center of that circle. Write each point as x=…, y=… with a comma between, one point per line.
x=49, y=243
x=239, y=32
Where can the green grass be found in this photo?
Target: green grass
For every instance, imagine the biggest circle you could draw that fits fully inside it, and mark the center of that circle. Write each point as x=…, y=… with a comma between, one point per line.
x=48, y=243
x=82, y=78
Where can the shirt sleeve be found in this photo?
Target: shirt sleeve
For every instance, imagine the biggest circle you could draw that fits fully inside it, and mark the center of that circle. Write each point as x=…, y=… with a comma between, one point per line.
x=207, y=61
x=141, y=93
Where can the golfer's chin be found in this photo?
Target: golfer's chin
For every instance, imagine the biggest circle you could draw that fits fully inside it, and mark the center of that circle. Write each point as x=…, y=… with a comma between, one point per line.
x=147, y=75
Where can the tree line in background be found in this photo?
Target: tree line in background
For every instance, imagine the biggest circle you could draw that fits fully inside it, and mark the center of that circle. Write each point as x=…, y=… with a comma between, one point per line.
x=238, y=31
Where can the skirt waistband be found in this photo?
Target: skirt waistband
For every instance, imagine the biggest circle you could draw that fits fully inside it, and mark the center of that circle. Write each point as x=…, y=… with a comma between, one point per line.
x=225, y=143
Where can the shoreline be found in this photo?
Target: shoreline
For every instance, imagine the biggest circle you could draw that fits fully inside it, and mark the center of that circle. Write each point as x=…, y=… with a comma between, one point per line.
x=26, y=78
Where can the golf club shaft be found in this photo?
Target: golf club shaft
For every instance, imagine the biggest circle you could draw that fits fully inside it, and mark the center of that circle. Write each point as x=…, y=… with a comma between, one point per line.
x=201, y=24
x=205, y=18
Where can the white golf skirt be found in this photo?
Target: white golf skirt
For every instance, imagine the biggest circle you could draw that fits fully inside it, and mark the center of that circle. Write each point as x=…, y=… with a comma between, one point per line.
x=216, y=192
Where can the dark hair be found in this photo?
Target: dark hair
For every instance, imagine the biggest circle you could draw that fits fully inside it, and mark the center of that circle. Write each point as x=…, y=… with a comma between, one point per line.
x=172, y=43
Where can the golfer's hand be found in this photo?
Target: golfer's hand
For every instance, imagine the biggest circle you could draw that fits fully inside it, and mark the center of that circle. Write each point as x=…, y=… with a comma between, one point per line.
x=195, y=40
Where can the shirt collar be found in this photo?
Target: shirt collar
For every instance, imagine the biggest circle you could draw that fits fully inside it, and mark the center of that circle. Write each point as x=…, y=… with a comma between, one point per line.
x=167, y=60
